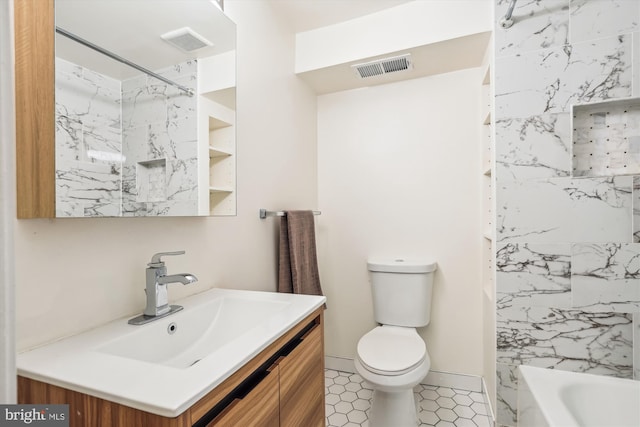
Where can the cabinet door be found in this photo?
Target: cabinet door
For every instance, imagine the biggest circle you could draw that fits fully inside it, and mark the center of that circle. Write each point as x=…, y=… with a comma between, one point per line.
x=259, y=408
x=302, y=383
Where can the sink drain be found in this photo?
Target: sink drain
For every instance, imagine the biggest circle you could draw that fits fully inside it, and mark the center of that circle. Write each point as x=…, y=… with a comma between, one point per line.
x=172, y=328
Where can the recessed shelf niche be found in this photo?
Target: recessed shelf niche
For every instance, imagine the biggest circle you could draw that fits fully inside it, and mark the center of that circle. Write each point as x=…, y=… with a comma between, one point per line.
x=606, y=138
x=222, y=168
x=217, y=135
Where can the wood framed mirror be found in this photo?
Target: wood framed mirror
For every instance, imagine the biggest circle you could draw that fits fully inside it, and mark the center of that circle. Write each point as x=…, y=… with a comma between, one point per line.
x=100, y=138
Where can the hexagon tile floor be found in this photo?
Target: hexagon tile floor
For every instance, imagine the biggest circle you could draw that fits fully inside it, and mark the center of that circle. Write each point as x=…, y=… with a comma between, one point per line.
x=348, y=398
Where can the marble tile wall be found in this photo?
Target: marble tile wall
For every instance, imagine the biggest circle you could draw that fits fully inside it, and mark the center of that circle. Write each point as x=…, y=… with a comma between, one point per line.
x=125, y=148
x=88, y=142
x=568, y=251
x=160, y=144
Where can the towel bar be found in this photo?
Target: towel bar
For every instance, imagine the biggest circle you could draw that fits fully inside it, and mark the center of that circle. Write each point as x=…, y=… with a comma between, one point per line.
x=265, y=213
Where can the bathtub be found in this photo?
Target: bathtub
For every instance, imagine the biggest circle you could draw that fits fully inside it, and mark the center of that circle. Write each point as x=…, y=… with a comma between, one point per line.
x=553, y=398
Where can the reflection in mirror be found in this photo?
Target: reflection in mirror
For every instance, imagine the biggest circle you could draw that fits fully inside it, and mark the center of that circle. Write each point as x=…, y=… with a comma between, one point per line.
x=131, y=140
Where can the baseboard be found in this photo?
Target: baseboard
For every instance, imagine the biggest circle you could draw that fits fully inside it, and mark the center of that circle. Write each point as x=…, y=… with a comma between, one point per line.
x=487, y=399
x=434, y=378
x=451, y=380
x=339, y=364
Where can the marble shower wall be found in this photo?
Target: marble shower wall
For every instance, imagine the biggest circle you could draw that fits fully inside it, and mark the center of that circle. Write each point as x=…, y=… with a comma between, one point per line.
x=88, y=142
x=125, y=148
x=568, y=257
x=160, y=142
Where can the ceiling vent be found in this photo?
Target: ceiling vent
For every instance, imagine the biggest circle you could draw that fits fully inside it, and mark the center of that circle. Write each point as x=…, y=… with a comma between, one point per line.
x=383, y=66
x=186, y=39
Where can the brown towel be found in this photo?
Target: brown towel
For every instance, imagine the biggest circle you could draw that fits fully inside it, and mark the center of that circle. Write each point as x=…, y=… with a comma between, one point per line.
x=298, y=269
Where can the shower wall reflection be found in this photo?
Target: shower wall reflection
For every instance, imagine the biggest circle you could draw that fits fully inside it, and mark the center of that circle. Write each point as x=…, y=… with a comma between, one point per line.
x=127, y=143
x=125, y=148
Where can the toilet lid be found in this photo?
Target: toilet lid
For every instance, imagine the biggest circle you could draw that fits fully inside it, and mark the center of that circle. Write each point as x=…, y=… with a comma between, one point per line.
x=391, y=350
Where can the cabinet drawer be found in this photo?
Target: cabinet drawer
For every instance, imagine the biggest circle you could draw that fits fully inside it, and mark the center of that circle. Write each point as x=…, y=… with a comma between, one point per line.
x=302, y=383
x=260, y=407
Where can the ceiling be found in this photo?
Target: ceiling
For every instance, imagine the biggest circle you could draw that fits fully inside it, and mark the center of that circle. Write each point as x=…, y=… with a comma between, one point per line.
x=435, y=58
x=132, y=30
x=305, y=15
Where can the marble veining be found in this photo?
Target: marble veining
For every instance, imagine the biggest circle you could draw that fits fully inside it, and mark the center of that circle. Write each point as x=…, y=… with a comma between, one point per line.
x=530, y=274
x=160, y=128
x=551, y=80
x=573, y=340
x=592, y=19
x=507, y=394
x=636, y=209
x=567, y=205
x=534, y=147
x=88, y=142
x=606, y=277
x=636, y=346
x=538, y=25
x=575, y=210
x=87, y=189
x=111, y=137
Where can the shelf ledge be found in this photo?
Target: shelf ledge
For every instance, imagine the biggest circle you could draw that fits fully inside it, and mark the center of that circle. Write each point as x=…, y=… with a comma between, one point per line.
x=217, y=152
x=220, y=190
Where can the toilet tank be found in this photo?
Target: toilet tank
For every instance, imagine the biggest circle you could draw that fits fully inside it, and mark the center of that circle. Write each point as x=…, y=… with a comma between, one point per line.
x=402, y=291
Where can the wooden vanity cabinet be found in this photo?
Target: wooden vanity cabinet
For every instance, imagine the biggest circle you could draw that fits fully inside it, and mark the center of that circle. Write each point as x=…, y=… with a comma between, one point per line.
x=282, y=386
x=261, y=407
x=302, y=383
x=292, y=391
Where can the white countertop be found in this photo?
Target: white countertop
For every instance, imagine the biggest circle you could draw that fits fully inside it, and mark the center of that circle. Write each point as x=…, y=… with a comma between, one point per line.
x=78, y=364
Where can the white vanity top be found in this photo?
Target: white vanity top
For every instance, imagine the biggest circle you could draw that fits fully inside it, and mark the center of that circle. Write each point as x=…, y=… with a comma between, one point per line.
x=148, y=368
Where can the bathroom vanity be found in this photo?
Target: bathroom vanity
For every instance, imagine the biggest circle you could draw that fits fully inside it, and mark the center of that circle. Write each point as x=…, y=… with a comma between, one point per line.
x=264, y=371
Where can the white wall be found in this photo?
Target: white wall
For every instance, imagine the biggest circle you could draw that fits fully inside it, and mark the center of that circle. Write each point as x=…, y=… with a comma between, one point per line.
x=7, y=209
x=74, y=274
x=408, y=25
x=399, y=174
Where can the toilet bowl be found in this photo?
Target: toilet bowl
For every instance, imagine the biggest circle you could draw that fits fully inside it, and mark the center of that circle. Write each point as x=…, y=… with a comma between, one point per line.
x=393, y=360
x=392, y=357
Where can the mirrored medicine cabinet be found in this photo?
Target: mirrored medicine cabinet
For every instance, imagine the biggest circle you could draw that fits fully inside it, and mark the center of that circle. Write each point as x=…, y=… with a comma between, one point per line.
x=125, y=108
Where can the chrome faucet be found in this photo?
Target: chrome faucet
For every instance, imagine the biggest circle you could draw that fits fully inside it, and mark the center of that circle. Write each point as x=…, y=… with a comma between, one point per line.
x=156, y=289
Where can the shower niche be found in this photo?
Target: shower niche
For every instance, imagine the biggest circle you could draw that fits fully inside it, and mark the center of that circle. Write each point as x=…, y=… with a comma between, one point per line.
x=606, y=138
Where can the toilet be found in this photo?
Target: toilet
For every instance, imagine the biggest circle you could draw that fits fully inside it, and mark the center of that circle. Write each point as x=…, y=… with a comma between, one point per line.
x=392, y=357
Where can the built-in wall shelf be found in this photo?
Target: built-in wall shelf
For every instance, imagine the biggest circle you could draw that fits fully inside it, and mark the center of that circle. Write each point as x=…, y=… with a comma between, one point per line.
x=487, y=179
x=486, y=79
x=220, y=190
x=218, y=152
x=219, y=170
x=486, y=104
x=487, y=229
x=488, y=294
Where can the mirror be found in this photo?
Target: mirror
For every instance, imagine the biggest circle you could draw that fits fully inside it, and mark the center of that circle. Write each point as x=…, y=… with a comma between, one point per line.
x=151, y=132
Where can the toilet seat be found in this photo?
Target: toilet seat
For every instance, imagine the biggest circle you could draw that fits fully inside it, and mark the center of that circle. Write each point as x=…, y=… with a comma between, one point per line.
x=391, y=350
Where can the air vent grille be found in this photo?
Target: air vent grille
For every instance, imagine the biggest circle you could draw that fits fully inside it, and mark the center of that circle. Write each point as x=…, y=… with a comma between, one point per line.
x=186, y=39
x=383, y=66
